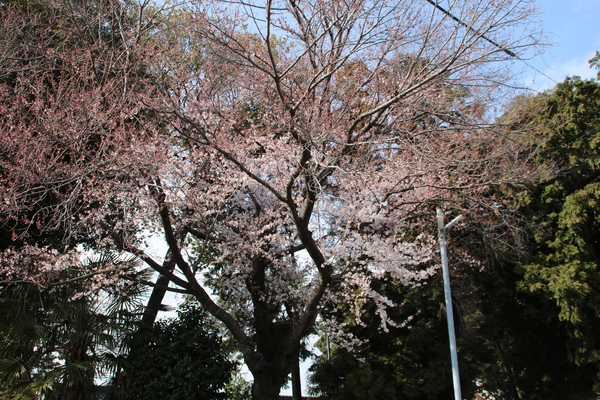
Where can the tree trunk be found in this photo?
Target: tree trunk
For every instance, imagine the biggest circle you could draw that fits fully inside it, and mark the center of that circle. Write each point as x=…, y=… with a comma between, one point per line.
x=156, y=298
x=266, y=386
x=296, y=380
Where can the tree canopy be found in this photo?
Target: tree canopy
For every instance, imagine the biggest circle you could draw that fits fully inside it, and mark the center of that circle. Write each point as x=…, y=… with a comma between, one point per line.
x=282, y=149
x=565, y=267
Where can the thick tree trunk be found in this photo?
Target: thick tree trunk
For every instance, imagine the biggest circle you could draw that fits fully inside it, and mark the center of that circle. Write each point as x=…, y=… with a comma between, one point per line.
x=270, y=375
x=266, y=386
x=296, y=380
x=155, y=301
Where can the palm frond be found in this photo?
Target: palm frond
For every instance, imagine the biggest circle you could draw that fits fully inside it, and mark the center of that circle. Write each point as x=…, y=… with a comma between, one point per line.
x=12, y=370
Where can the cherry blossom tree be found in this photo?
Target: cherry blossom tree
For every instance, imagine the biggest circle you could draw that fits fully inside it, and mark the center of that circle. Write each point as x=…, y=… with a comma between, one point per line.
x=282, y=149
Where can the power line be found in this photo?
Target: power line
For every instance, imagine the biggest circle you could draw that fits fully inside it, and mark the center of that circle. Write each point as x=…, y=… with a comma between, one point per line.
x=449, y=14
x=481, y=35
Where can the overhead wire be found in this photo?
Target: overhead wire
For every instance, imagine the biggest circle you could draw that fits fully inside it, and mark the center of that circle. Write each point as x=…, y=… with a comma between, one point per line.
x=481, y=35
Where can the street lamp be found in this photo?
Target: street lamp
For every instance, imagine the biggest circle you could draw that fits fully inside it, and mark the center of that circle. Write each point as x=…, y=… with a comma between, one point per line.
x=448, y=297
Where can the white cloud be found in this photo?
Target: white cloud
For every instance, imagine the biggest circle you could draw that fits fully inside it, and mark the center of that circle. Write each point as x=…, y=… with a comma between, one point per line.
x=578, y=66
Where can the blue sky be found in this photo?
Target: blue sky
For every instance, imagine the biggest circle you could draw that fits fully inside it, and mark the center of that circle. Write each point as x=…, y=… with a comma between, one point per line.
x=573, y=26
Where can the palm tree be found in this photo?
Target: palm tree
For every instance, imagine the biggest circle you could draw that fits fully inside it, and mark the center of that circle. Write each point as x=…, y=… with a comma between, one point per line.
x=58, y=343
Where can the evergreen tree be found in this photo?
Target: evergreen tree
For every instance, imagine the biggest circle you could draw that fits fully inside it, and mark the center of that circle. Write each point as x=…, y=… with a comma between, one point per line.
x=181, y=358
x=409, y=360
x=565, y=268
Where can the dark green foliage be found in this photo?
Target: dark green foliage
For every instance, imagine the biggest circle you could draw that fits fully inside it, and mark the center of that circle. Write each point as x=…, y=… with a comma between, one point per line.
x=181, y=359
x=410, y=362
x=511, y=343
x=513, y=340
x=565, y=269
x=55, y=343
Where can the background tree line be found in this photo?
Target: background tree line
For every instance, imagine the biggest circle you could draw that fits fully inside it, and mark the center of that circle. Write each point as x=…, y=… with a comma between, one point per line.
x=527, y=308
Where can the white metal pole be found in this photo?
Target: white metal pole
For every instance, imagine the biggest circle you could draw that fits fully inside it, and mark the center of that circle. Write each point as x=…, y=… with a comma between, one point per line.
x=448, y=296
